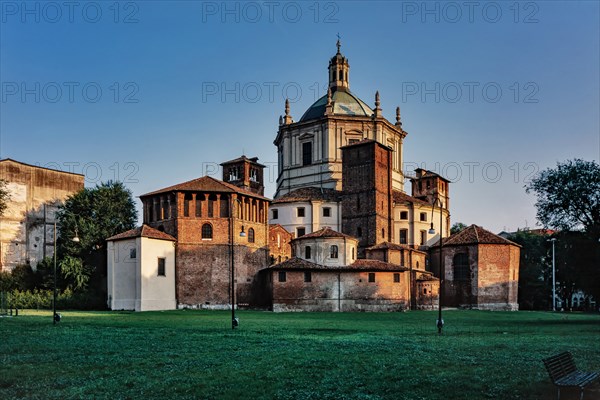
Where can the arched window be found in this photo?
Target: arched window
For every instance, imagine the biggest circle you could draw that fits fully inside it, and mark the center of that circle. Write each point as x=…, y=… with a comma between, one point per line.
x=207, y=231
x=353, y=253
x=460, y=263
x=251, y=235
x=307, y=252
x=333, y=251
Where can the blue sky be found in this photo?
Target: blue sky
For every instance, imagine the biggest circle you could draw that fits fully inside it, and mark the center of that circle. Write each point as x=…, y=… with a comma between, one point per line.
x=155, y=93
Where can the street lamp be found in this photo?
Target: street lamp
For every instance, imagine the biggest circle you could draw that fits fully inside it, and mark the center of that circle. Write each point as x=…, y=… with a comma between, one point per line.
x=55, y=315
x=553, y=240
x=234, y=321
x=440, y=321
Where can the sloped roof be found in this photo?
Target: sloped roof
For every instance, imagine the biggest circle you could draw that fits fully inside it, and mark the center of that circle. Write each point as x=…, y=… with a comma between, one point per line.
x=309, y=193
x=427, y=174
x=296, y=263
x=205, y=184
x=253, y=160
x=393, y=246
x=142, y=231
x=474, y=235
x=400, y=197
x=325, y=232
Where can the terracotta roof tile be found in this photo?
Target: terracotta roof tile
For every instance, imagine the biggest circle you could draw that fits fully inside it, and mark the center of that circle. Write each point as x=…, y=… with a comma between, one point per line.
x=325, y=232
x=307, y=194
x=393, y=246
x=142, y=231
x=253, y=160
x=205, y=184
x=296, y=263
x=400, y=197
x=474, y=235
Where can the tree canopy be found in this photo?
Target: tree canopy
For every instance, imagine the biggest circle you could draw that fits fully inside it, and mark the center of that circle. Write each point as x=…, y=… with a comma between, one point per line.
x=457, y=227
x=568, y=197
x=92, y=215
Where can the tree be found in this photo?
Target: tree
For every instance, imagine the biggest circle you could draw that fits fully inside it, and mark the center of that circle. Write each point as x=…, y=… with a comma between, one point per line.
x=568, y=200
x=568, y=197
x=4, y=196
x=92, y=214
x=535, y=271
x=457, y=227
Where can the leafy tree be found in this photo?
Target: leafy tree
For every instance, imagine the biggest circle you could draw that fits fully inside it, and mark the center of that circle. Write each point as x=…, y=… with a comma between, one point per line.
x=457, y=227
x=4, y=196
x=92, y=215
x=568, y=197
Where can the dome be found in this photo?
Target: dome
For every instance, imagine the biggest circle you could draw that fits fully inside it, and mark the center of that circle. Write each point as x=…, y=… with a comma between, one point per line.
x=344, y=103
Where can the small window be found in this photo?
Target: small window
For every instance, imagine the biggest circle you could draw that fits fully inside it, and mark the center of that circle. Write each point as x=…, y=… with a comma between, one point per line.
x=352, y=141
x=333, y=251
x=383, y=233
x=359, y=232
x=353, y=253
x=251, y=235
x=307, y=252
x=207, y=231
x=187, y=199
x=307, y=276
x=423, y=238
x=161, y=266
x=371, y=276
x=282, y=276
x=423, y=216
x=403, y=236
x=403, y=214
x=133, y=253
x=275, y=213
x=300, y=211
x=300, y=232
x=306, y=153
x=327, y=211
x=396, y=277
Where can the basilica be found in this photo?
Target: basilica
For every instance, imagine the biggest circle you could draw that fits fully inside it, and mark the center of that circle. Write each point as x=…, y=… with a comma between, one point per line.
x=340, y=234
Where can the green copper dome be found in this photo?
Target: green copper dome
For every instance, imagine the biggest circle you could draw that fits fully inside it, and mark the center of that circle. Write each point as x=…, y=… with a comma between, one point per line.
x=344, y=103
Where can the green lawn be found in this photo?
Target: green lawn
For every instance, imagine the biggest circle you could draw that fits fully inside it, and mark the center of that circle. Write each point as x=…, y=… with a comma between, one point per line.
x=196, y=355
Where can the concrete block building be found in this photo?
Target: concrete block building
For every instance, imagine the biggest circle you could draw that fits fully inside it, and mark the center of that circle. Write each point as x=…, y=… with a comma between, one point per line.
x=26, y=228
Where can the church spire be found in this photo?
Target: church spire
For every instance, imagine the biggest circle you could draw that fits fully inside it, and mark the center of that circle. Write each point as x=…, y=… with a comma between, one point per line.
x=338, y=70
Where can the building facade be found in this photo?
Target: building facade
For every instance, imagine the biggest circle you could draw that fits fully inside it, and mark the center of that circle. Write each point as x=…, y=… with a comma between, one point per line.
x=481, y=270
x=141, y=270
x=27, y=225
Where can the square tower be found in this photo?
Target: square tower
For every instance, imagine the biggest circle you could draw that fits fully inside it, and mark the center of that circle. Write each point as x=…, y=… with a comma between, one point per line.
x=245, y=173
x=367, y=193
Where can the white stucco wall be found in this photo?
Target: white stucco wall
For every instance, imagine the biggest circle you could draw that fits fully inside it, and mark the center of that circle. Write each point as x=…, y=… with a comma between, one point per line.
x=157, y=292
x=313, y=219
x=122, y=274
x=134, y=283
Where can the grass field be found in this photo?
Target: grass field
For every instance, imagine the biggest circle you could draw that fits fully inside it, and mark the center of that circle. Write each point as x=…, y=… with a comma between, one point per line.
x=196, y=355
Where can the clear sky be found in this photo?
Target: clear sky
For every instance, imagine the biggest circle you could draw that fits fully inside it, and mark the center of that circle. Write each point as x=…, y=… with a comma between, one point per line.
x=159, y=92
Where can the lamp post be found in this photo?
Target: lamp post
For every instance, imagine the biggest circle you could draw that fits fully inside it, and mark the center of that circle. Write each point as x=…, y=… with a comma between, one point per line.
x=553, y=240
x=440, y=321
x=234, y=321
x=55, y=315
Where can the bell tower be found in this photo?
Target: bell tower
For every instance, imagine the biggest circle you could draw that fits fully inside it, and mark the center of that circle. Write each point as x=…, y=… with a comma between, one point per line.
x=338, y=71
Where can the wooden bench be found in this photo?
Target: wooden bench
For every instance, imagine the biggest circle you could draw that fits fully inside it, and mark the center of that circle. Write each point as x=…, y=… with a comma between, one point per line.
x=563, y=373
